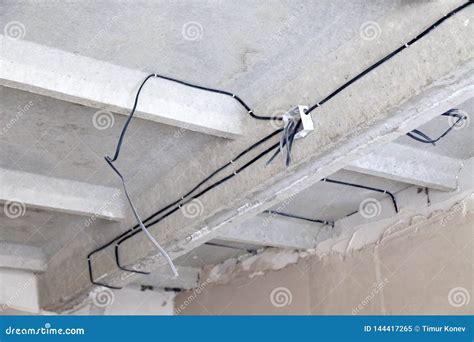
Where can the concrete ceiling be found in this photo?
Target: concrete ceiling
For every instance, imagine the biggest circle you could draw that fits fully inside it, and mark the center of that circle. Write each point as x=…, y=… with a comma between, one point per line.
x=253, y=49
x=244, y=45
x=59, y=139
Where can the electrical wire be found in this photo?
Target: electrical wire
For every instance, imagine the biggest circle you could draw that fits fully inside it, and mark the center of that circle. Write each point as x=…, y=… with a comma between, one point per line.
x=215, y=244
x=178, y=202
x=415, y=132
x=387, y=57
x=325, y=222
x=137, y=217
x=392, y=196
x=186, y=199
x=132, y=206
x=130, y=116
x=427, y=140
x=332, y=223
x=288, y=136
x=110, y=160
x=127, y=234
x=196, y=196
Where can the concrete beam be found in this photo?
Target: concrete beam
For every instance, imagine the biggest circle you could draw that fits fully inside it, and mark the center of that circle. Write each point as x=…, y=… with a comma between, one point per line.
x=188, y=278
x=22, y=257
x=24, y=189
x=274, y=231
x=372, y=112
x=358, y=230
x=410, y=165
x=66, y=76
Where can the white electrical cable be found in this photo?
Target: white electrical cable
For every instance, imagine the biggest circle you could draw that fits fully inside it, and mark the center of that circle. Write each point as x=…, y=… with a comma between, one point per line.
x=147, y=233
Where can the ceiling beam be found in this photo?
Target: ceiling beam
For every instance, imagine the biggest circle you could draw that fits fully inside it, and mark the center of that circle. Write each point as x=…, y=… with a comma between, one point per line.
x=22, y=257
x=66, y=76
x=272, y=230
x=358, y=230
x=417, y=166
x=20, y=190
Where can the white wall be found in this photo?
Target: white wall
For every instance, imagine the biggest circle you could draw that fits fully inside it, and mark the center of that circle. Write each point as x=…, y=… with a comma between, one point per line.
x=18, y=291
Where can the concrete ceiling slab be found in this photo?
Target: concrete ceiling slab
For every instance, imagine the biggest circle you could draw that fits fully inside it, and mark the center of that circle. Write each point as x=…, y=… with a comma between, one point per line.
x=59, y=139
x=241, y=45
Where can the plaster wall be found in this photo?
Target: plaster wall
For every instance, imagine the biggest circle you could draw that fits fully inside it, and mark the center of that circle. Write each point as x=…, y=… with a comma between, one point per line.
x=427, y=269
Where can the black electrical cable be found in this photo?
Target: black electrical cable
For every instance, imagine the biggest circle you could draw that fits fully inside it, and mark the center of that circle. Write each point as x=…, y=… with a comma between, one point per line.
x=240, y=155
x=387, y=57
x=110, y=160
x=318, y=104
x=121, y=240
x=215, y=244
x=394, y=201
x=180, y=202
x=424, y=138
x=288, y=141
x=332, y=223
x=199, y=194
x=249, y=110
x=325, y=222
x=427, y=140
x=130, y=116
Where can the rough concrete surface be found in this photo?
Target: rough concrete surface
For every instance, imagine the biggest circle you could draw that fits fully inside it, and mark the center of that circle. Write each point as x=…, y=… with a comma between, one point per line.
x=426, y=270
x=355, y=115
x=272, y=54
